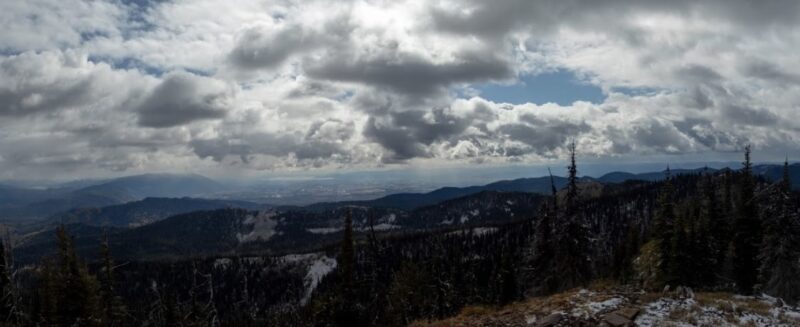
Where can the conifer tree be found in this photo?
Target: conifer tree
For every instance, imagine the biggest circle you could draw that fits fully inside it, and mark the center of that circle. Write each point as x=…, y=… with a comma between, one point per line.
x=345, y=304
x=112, y=307
x=538, y=276
x=347, y=256
x=572, y=183
x=664, y=227
x=43, y=311
x=572, y=266
x=679, y=259
x=7, y=294
x=780, y=252
x=67, y=293
x=747, y=233
x=713, y=227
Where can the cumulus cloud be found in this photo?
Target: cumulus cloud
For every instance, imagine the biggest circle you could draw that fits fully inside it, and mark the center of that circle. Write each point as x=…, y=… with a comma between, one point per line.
x=409, y=73
x=261, y=49
x=34, y=83
x=108, y=86
x=182, y=98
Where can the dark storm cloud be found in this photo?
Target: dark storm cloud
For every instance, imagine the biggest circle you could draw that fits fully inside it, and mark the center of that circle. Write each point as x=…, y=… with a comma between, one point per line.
x=406, y=133
x=743, y=115
x=182, y=98
x=265, y=47
x=324, y=139
x=413, y=134
x=769, y=72
x=43, y=98
x=496, y=18
x=258, y=48
x=703, y=132
x=698, y=74
x=316, y=83
x=30, y=88
x=543, y=135
x=410, y=73
x=647, y=136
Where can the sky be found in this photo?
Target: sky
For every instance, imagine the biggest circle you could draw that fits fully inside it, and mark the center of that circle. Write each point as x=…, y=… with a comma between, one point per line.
x=254, y=87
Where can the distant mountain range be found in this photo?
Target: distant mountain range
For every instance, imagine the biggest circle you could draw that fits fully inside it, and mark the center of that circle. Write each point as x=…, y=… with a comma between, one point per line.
x=162, y=227
x=16, y=202
x=235, y=230
x=149, y=210
x=22, y=204
x=541, y=185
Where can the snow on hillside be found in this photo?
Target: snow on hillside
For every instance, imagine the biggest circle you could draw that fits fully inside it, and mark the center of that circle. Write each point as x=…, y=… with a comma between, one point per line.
x=263, y=227
x=476, y=231
x=324, y=230
x=321, y=266
x=331, y=230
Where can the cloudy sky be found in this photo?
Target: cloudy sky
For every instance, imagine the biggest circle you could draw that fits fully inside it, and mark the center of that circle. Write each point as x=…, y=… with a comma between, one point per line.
x=97, y=88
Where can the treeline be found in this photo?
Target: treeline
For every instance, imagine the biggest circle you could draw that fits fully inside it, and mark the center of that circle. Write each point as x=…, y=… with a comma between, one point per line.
x=736, y=234
x=729, y=230
x=60, y=291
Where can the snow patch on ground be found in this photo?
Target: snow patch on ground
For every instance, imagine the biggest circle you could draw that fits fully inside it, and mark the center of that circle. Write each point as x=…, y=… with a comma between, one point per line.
x=332, y=230
x=385, y=226
x=293, y=258
x=263, y=227
x=586, y=303
x=484, y=230
x=381, y=227
x=222, y=262
x=464, y=219
x=324, y=230
x=476, y=231
x=322, y=266
x=739, y=311
x=597, y=307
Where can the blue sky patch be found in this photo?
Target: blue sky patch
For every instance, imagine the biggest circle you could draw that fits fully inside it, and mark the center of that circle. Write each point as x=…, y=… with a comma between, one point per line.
x=561, y=87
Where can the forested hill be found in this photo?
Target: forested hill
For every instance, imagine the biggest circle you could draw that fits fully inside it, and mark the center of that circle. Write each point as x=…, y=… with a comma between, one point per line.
x=732, y=231
x=542, y=185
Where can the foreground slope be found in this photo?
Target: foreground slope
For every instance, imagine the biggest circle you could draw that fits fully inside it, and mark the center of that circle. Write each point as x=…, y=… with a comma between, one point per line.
x=624, y=307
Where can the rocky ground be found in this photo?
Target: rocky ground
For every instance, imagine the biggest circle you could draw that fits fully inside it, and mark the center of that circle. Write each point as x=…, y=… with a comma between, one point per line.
x=621, y=307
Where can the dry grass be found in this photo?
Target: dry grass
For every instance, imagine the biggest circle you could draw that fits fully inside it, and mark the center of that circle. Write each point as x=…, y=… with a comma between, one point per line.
x=477, y=311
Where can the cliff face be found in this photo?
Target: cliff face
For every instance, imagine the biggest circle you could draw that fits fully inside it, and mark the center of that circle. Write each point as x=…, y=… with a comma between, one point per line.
x=624, y=307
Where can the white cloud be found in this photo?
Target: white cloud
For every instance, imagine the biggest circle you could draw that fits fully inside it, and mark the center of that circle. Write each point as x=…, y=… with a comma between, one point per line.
x=92, y=87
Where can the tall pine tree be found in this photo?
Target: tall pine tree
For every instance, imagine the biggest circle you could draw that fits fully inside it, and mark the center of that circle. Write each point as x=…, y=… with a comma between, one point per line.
x=8, y=300
x=346, y=313
x=572, y=266
x=664, y=229
x=780, y=253
x=713, y=226
x=747, y=233
x=67, y=295
x=538, y=277
x=113, y=310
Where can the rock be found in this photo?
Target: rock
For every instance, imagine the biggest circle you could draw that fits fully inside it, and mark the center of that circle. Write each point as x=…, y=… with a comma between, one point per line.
x=666, y=289
x=615, y=320
x=627, y=313
x=551, y=320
